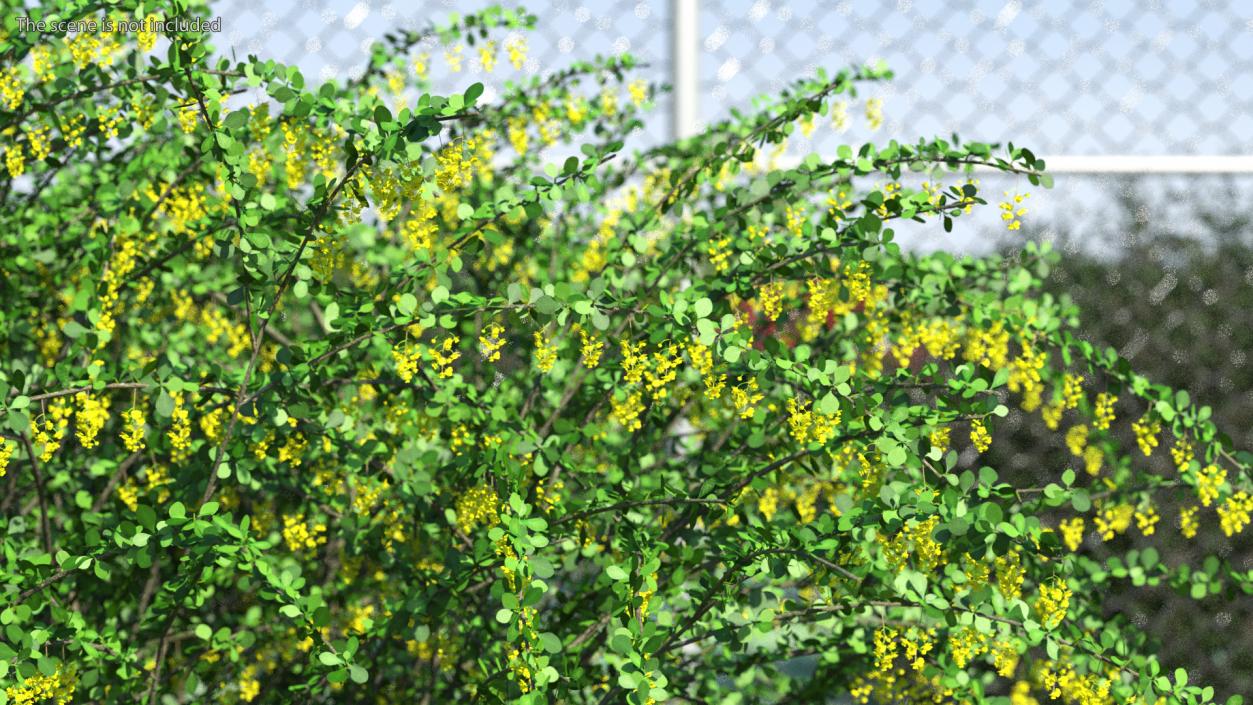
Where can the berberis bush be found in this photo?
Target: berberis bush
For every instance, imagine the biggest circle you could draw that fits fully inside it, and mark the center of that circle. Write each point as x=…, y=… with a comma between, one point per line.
x=354, y=393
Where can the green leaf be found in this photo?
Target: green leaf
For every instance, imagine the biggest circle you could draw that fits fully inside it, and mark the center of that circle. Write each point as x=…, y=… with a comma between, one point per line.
x=704, y=307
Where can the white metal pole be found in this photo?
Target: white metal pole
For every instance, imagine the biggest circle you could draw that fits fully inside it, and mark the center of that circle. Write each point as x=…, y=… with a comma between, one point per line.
x=685, y=52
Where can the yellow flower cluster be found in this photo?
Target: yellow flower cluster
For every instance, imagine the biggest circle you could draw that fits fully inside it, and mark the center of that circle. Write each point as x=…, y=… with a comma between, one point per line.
x=1010, y=574
x=1005, y=657
x=1072, y=532
x=989, y=348
x=516, y=48
x=180, y=430
x=6, y=454
x=445, y=354
x=12, y=92
x=590, y=349
x=1024, y=376
x=1104, y=413
x=545, y=353
x=975, y=571
x=1182, y=454
x=133, y=435
x=1053, y=602
x=477, y=505
x=1012, y=210
x=1233, y=514
x=1065, y=684
x=1208, y=483
x=807, y=425
x=745, y=397
x=40, y=145
x=965, y=644
x=249, y=686
x=1188, y=524
x=456, y=163
x=51, y=431
x=1052, y=414
x=885, y=649
x=1077, y=439
x=1114, y=520
x=406, y=358
x=627, y=409
x=771, y=300
x=93, y=414
x=874, y=113
x=1146, y=519
x=939, y=439
x=487, y=56
x=1072, y=390
x=302, y=535
x=57, y=688
x=662, y=370
x=1092, y=459
x=14, y=160
x=491, y=340
x=1146, y=434
x=979, y=435
x=125, y=255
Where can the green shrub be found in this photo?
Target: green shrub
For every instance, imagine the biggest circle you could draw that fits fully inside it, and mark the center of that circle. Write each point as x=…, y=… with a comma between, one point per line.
x=358, y=394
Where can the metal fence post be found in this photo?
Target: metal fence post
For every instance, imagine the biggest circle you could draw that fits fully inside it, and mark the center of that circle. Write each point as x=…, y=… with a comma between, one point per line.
x=685, y=58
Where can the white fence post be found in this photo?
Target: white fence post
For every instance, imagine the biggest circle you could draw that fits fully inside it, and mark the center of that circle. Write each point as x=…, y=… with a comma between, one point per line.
x=685, y=58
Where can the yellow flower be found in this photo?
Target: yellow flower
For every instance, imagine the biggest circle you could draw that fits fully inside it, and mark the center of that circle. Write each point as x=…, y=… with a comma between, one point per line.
x=1072, y=390
x=1104, y=413
x=590, y=349
x=1077, y=439
x=1182, y=454
x=1233, y=515
x=1092, y=459
x=487, y=56
x=1188, y=523
x=545, y=353
x=1146, y=519
x=1146, y=435
x=771, y=299
x=965, y=644
x=1010, y=574
x=180, y=432
x=627, y=410
x=301, y=535
x=874, y=113
x=979, y=435
x=516, y=48
x=11, y=90
x=1114, y=520
x=477, y=505
x=1005, y=657
x=1208, y=483
x=6, y=453
x=939, y=439
x=1072, y=532
x=93, y=413
x=1012, y=210
x=491, y=341
x=133, y=436
x=1053, y=602
x=885, y=649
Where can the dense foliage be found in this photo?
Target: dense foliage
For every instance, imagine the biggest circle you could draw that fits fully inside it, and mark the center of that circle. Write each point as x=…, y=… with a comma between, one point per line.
x=352, y=394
